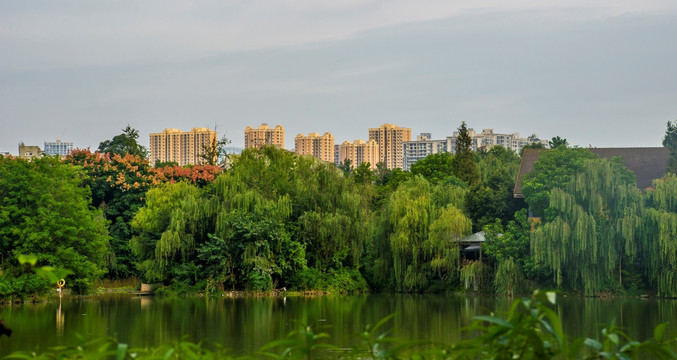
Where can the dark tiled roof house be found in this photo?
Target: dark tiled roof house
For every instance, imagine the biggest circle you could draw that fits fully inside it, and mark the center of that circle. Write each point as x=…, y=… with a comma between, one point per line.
x=647, y=163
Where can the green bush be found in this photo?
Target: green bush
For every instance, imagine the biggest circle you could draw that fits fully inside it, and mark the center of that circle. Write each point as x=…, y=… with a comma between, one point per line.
x=258, y=280
x=307, y=279
x=345, y=281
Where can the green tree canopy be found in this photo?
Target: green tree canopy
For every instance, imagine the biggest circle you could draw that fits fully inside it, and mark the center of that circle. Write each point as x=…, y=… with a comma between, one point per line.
x=553, y=169
x=271, y=220
x=125, y=143
x=346, y=166
x=363, y=174
x=119, y=184
x=45, y=211
x=492, y=197
x=557, y=142
x=435, y=167
x=532, y=145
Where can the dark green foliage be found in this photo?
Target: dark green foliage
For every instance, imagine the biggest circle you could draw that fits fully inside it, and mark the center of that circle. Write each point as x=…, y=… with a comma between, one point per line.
x=435, y=167
x=557, y=142
x=45, y=211
x=363, y=174
x=217, y=262
x=387, y=181
x=533, y=145
x=346, y=166
x=483, y=205
x=670, y=142
x=123, y=144
x=509, y=249
x=259, y=250
x=492, y=198
x=463, y=161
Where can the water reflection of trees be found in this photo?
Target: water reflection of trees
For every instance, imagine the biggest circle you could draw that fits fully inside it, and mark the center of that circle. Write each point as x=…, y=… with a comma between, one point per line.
x=245, y=324
x=637, y=317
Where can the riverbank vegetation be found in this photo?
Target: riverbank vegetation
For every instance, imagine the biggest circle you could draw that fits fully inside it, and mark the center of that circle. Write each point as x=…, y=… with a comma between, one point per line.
x=273, y=220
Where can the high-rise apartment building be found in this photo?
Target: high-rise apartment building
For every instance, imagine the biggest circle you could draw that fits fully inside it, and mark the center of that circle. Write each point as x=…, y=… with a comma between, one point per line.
x=319, y=146
x=181, y=147
x=263, y=135
x=487, y=138
x=58, y=147
x=359, y=152
x=390, y=139
x=423, y=146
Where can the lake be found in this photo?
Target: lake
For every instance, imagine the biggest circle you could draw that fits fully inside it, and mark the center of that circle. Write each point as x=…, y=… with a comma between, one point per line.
x=245, y=324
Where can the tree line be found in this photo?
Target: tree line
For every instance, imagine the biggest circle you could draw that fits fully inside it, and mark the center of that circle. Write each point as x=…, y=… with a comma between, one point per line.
x=275, y=219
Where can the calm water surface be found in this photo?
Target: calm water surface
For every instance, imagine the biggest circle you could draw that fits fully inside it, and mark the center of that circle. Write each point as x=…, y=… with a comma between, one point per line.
x=245, y=324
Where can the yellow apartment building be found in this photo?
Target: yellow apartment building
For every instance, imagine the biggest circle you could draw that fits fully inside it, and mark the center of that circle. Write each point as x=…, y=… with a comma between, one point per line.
x=321, y=147
x=263, y=135
x=181, y=147
x=390, y=139
x=359, y=151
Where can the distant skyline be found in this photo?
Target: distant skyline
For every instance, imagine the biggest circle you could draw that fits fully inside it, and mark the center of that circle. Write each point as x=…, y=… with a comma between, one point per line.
x=598, y=73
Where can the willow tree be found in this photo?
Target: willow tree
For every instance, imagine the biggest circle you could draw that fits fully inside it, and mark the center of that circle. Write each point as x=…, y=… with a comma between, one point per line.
x=168, y=228
x=325, y=215
x=554, y=169
x=659, y=236
x=332, y=218
x=593, y=227
x=250, y=235
x=417, y=238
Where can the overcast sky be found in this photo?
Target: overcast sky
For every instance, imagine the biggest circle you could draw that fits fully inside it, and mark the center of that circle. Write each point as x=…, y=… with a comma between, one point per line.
x=600, y=73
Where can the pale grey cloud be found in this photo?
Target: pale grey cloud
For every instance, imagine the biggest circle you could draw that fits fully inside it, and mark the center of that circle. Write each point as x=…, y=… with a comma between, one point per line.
x=597, y=73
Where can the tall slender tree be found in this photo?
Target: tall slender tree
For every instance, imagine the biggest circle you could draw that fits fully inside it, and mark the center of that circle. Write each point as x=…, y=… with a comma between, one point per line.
x=670, y=142
x=464, y=159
